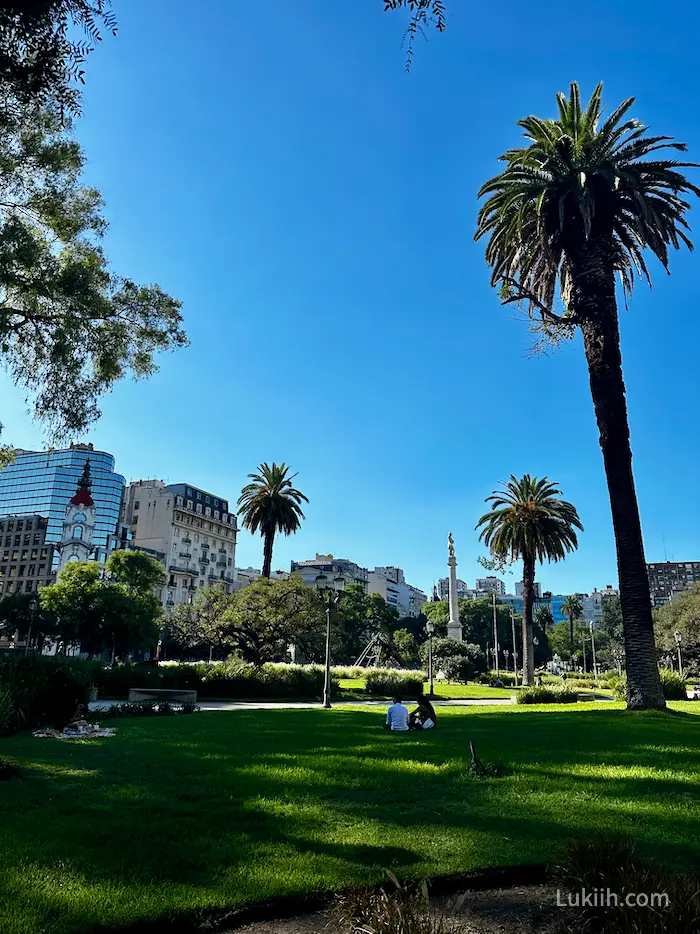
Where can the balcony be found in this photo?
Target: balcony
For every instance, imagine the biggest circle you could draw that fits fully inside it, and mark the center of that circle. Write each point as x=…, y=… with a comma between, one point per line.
x=178, y=569
x=186, y=541
x=186, y=554
x=205, y=546
x=221, y=564
x=204, y=560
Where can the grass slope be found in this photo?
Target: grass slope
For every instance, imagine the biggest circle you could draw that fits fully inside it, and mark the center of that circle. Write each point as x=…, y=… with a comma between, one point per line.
x=217, y=809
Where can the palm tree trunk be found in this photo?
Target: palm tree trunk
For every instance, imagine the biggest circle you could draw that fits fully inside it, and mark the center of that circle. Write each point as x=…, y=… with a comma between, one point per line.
x=528, y=603
x=571, y=635
x=593, y=303
x=267, y=553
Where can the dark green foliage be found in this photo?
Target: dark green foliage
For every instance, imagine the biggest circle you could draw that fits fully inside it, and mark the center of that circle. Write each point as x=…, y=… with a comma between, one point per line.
x=230, y=679
x=422, y=13
x=547, y=695
x=69, y=327
x=672, y=685
x=116, y=680
x=100, y=615
x=393, y=684
x=460, y=668
x=450, y=652
x=42, y=51
x=145, y=709
x=613, y=864
x=46, y=691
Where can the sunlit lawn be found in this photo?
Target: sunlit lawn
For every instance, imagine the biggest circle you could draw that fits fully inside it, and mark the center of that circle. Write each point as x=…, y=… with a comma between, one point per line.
x=469, y=691
x=213, y=810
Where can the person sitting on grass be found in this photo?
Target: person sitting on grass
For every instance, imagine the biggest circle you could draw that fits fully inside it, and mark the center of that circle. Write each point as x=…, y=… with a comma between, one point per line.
x=396, y=716
x=423, y=717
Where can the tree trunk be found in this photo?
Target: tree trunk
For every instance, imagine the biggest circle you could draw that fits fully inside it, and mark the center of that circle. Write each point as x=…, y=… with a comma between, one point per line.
x=267, y=553
x=528, y=602
x=571, y=635
x=593, y=303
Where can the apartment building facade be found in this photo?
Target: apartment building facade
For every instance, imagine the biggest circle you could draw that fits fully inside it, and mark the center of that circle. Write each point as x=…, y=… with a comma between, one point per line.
x=668, y=578
x=193, y=529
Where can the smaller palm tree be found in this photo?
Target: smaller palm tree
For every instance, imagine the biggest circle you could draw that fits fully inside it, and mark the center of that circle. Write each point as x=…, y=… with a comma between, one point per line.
x=529, y=522
x=572, y=609
x=270, y=504
x=543, y=617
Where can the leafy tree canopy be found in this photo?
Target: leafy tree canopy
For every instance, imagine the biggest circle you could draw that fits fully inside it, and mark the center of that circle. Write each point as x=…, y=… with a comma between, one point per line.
x=681, y=615
x=69, y=326
x=139, y=572
x=44, y=45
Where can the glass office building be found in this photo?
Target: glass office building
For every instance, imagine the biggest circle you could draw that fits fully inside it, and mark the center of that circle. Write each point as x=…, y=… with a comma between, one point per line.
x=42, y=483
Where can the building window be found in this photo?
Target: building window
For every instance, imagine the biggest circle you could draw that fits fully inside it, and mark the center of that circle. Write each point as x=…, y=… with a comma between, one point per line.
x=78, y=532
x=137, y=503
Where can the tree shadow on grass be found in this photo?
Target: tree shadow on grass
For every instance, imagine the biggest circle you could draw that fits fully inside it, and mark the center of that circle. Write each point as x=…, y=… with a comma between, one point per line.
x=316, y=800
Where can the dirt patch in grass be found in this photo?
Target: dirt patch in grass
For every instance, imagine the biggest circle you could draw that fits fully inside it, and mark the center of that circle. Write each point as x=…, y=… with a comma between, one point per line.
x=516, y=910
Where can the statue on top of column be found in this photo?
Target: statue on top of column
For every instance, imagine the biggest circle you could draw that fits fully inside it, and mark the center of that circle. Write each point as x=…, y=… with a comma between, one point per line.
x=450, y=545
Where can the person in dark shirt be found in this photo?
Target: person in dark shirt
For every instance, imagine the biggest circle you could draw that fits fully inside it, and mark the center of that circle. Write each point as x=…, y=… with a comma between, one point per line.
x=423, y=717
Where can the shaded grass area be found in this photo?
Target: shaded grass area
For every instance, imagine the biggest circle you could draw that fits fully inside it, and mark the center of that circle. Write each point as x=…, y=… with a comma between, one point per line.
x=220, y=809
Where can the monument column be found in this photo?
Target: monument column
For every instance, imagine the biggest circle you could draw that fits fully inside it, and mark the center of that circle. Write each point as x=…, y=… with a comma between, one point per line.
x=454, y=627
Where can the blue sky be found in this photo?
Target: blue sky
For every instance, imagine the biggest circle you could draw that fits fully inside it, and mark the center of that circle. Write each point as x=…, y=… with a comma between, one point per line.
x=313, y=206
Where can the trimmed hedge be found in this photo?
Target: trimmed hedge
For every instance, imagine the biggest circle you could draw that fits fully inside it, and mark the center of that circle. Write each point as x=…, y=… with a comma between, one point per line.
x=544, y=695
x=230, y=679
x=394, y=683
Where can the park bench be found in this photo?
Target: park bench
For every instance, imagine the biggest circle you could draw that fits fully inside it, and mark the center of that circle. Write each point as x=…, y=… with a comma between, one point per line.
x=176, y=695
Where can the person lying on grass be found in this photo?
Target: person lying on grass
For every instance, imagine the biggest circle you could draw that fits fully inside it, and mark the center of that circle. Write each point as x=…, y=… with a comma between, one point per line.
x=396, y=716
x=423, y=717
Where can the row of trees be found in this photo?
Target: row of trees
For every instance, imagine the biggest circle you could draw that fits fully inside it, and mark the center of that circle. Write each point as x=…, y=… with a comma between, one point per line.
x=114, y=611
x=274, y=620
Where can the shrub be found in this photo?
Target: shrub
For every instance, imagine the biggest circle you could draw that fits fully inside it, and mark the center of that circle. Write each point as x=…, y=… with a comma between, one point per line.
x=349, y=673
x=547, y=695
x=673, y=685
x=394, y=683
x=404, y=910
x=458, y=669
x=145, y=709
x=671, y=682
x=7, y=707
x=46, y=690
x=601, y=864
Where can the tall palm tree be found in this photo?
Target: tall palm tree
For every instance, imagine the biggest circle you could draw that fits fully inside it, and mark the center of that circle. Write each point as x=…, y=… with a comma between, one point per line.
x=572, y=609
x=580, y=203
x=270, y=504
x=528, y=522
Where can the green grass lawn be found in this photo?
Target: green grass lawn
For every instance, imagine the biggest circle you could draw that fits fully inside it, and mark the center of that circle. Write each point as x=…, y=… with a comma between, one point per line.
x=470, y=691
x=213, y=810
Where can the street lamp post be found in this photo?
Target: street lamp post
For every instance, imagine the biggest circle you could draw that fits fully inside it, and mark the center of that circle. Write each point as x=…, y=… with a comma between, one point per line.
x=677, y=636
x=330, y=595
x=595, y=663
x=515, y=644
x=583, y=644
x=430, y=629
x=32, y=615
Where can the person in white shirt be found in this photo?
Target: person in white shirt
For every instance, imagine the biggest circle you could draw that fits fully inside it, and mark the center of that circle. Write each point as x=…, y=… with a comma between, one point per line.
x=397, y=716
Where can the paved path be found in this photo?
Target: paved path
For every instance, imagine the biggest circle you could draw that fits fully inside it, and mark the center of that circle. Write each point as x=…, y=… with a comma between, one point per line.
x=296, y=705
